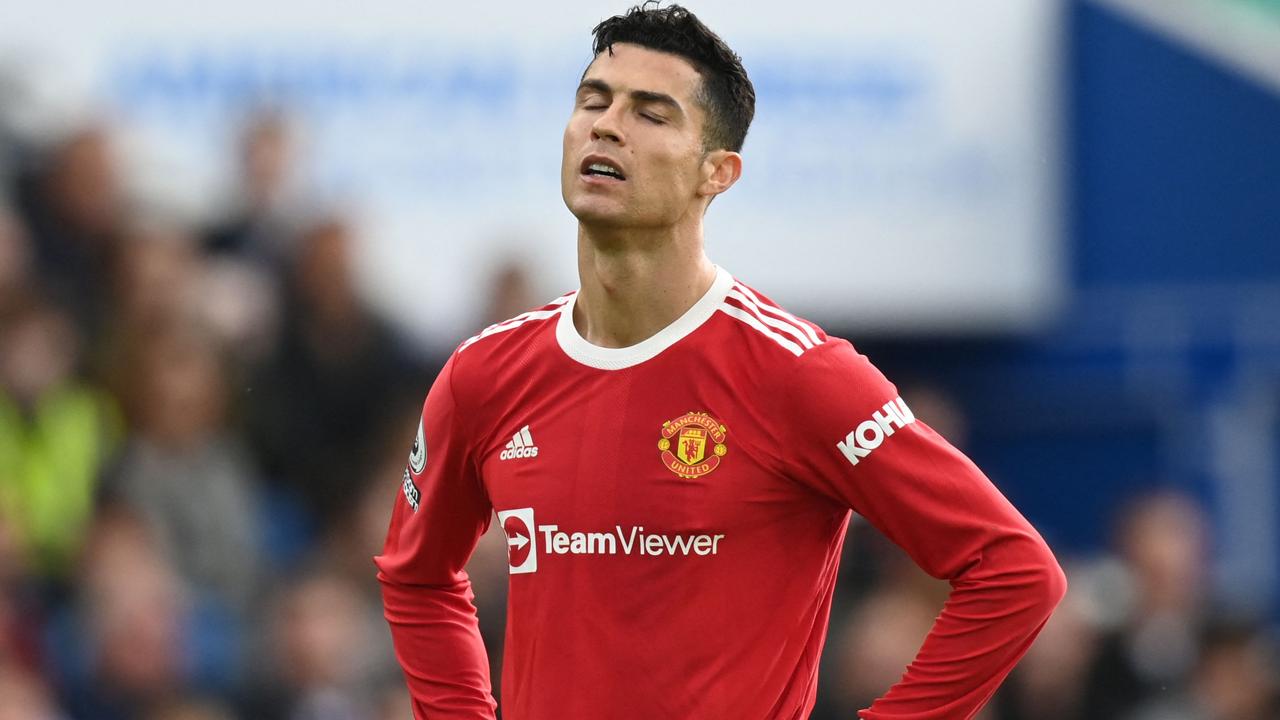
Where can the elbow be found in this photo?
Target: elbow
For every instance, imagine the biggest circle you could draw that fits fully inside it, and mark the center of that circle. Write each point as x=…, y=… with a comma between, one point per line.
x=1050, y=580
x=1025, y=566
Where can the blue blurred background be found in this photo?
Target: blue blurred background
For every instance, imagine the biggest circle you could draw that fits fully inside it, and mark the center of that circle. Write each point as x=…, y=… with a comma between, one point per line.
x=236, y=246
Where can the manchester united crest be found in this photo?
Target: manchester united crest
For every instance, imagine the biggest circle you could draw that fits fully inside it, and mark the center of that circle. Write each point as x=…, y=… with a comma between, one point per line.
x=692, y=445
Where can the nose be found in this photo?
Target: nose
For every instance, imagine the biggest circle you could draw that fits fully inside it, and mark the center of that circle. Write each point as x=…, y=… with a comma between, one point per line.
x=608, y=126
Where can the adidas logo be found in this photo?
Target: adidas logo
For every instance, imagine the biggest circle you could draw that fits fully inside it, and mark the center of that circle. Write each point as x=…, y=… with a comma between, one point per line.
x=521, y=446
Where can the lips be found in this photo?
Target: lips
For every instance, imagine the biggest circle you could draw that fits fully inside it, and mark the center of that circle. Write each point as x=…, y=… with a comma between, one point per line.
x=603, y=167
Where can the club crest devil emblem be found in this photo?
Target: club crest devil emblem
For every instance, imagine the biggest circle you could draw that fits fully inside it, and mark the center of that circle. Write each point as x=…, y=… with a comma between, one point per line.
x=692, y=445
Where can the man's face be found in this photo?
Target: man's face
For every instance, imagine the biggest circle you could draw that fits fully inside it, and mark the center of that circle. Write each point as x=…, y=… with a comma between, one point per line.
x=635, y=112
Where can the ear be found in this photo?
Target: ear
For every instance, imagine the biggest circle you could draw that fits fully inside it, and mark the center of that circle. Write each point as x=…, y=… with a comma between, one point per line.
x=720, y=170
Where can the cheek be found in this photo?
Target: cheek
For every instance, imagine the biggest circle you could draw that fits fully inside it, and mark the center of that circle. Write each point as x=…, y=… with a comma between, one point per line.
x=572, y=135
x=577, y=129
x=576, y=134
x=565, y=144
x=679, y=172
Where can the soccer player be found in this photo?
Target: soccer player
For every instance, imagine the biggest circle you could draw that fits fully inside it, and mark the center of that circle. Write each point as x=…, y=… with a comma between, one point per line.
x=674, y=458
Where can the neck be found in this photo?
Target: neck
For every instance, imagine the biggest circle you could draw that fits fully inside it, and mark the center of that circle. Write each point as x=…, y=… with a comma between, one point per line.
x=636, y=283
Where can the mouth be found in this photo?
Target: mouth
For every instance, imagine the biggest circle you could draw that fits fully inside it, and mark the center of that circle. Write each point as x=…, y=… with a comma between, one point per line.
x=598, y=167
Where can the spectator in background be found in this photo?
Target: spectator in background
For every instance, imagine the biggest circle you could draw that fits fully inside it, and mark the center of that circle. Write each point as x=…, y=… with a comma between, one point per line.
x=264, y=215
x=510, y=292
x=154, y=278
x=359, y=532
x=879, y=641
x=249, y=252
x=183, y=472
x=56, y=434
x=1144, y=667
x=313, y=660
x=324, y=398
x=159, y=278
x=239, y=303
x=23, y=696
x=15, y=259
x=122, y=649
x=357, y=537
x=1238, y=676
x=73, y=207
x=152, y=283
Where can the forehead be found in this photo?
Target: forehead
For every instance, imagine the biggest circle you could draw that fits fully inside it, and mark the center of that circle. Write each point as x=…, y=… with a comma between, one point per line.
x=632, y=67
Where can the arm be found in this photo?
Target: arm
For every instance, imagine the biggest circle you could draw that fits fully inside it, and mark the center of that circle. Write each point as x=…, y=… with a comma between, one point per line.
x=932, y=501
x=439, y=515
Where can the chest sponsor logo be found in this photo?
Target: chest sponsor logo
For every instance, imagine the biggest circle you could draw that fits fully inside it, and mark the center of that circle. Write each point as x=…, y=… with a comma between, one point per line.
x=526, y=539
x=692, y=445
x=871, y=434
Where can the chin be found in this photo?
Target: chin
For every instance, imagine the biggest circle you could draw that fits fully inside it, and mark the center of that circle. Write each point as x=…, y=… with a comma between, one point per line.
x=590, y=211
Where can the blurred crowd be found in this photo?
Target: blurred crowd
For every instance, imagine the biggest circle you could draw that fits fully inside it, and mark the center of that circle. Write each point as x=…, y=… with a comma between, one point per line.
x=203, y=428
x=196, y=428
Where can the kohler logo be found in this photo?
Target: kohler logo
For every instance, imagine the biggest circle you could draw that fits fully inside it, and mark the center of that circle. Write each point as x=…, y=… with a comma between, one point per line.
x=871, y=433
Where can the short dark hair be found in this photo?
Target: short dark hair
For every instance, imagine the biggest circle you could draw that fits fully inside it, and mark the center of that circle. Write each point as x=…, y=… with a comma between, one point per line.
x=726, y=94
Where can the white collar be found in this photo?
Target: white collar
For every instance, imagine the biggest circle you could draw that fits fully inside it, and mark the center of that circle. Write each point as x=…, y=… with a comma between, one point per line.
x=603, y=358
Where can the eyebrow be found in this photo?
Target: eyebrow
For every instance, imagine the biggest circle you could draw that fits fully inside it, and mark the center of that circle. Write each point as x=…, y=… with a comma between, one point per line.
x=642, y=96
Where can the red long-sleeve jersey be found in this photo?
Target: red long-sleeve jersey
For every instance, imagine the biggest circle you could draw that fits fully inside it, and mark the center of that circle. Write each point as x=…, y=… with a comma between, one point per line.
x=675, y=512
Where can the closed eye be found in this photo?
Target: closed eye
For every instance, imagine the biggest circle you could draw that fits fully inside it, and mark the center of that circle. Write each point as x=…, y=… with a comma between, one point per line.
x=652, y=118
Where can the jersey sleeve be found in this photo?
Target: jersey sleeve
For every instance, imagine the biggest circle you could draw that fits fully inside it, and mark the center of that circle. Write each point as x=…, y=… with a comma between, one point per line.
x=856, y=442
x=438, y=518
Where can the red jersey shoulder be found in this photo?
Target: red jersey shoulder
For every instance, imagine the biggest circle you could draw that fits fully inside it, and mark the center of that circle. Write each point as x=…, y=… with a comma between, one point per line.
x=489, y=347
x=766, y=326
x=517, y=327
